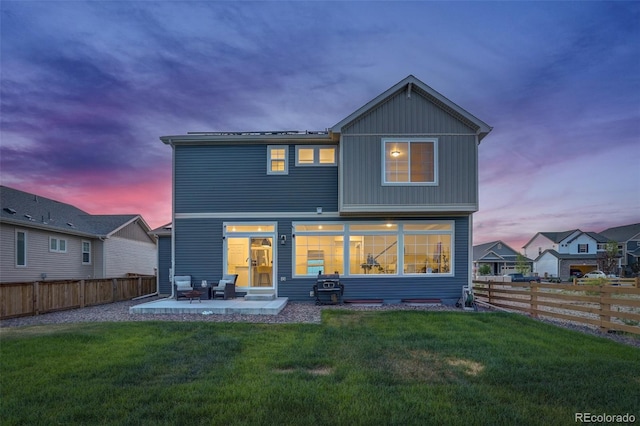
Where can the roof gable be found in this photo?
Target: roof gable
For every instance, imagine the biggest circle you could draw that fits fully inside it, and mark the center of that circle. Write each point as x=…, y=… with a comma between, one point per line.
x=410, y=84
x=494, y=250
x=554, y=237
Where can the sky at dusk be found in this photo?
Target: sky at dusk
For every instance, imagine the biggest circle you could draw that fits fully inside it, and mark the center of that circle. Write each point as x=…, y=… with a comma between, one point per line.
x=87, y=89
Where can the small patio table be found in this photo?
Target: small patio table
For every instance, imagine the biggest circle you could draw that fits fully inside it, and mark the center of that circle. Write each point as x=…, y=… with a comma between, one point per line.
x=193, y=294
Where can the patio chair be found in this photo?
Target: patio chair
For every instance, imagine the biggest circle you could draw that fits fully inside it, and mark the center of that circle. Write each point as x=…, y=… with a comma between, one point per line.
x=226, y=287
x=181, y=285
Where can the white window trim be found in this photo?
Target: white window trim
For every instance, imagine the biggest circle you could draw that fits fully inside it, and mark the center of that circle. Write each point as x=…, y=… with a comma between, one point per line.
x=400, y=232
x=57, y=248
x=286, y=160
x=316, y=156
x=435, y=162
x=20, y=231
x=83, y=252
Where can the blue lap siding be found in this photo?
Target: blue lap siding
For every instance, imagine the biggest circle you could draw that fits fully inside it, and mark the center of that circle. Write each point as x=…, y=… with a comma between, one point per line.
x=199, y=252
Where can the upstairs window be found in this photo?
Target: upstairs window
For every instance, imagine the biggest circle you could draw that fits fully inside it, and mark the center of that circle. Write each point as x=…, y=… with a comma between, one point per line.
x=316, y=156
x=410, y=161
x=277, y=160
x=583, y=248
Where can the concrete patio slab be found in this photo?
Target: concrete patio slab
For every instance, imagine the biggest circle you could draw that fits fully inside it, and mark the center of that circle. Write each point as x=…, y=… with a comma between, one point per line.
x=217, y=306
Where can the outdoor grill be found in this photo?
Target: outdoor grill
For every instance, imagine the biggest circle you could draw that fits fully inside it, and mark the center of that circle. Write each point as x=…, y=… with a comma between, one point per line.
x=328, y=290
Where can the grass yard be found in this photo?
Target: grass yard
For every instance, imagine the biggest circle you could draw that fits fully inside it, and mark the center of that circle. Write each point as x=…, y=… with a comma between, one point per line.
x=356, y=368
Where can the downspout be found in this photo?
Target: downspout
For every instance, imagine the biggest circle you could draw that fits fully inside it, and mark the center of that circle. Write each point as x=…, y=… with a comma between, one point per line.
x=470, y=260
x=103, y=274
x=173, y=217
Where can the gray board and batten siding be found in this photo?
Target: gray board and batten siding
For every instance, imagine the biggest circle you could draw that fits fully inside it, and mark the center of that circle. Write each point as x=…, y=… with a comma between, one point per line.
x=417, y=116
x=199, y=252
x=233, y=178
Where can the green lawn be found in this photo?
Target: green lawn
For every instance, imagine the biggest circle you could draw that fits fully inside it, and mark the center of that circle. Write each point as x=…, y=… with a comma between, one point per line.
x=357, y=368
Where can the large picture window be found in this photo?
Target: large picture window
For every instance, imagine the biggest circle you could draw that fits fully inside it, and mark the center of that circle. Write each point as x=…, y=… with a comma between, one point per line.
x=358, y=249
x=410, y=161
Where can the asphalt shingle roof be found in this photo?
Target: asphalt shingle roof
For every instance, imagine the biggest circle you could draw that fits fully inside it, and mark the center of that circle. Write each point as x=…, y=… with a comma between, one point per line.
x=32, y=210
x=621, y=234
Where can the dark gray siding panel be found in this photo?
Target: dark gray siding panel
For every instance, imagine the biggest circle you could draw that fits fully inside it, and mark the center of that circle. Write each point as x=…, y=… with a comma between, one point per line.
x=220, y=178
x=164, y=264
x=198, y=248
x=361, y=150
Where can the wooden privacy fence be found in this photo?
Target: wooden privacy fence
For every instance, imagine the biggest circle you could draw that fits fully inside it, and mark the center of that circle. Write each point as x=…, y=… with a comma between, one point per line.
x=33, y=298
x=610, y=307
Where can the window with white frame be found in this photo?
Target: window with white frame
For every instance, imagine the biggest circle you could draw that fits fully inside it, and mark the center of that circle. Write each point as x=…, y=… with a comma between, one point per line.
x=86, y=252
x=277, y=159
x=583, y=248
x=321, y=155
x=358, y=249
x=427, y=249
x=410, y=161
x=57, y=245
x=21, y=248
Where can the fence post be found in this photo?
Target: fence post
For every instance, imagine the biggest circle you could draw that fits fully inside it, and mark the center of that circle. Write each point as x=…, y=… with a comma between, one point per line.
x=114, y=291
x=489, y=290
x=604, y=309
x=139, y=286
x=81, y=293
x=36, y=298
x=533, y=298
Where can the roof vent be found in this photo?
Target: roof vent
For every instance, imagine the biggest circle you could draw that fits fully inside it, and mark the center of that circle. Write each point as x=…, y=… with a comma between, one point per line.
x=28, y=216
x=70, y=224
x=9, y=210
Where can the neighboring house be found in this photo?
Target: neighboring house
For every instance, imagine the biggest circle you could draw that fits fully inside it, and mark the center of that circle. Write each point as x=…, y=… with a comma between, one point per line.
x=628, y=239
x=499, y=256
x=558, y=254
x=46, y=239
x=163, y=236
x=384, y=198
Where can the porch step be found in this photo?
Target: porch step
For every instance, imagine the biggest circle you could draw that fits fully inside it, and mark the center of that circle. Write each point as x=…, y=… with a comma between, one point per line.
x=260, y=296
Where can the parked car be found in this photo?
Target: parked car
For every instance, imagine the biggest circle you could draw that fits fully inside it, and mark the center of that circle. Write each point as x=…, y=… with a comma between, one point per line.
x=575, y=273
x=595, y=274
x=520, y=278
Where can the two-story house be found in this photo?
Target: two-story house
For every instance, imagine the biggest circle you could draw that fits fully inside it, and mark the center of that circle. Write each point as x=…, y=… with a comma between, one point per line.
x=384, y=198
x=628, y=239
x=44, y=239
x=562, y=254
